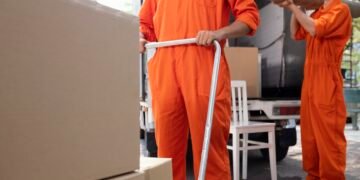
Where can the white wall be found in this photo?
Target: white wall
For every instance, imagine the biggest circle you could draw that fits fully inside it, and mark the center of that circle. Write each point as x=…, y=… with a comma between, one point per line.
x=129, y=6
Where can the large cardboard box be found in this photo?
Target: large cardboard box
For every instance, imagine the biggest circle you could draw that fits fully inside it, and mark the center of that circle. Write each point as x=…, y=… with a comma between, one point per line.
x=68, y=90
x=244, y=64
x=136, y=175
x=156, y=168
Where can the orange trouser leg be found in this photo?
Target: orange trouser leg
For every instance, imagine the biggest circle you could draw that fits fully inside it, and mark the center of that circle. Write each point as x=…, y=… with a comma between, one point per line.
x=180, y=82
x=308, y=141
x=171, y=124
x=194, y=71
x=218, y=160
x=323, y=128
x=330, y=124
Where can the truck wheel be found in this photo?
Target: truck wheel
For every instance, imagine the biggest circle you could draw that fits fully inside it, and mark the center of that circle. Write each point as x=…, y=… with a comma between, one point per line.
x=142, y=134
x=281, y=153
x=151, y=144
x=284, y=139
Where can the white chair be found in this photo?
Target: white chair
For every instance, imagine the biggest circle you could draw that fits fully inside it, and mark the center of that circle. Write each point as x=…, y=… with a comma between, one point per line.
x=240, y=124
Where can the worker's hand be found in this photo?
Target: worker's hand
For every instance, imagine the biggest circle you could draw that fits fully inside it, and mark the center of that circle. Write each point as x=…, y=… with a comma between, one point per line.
x=142, y=42
x=277, y=2
x=284, y=3
x=206, y=38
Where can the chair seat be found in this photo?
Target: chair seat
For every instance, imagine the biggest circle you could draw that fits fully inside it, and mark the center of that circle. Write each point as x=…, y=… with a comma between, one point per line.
x=251, y=126
x=353, y=110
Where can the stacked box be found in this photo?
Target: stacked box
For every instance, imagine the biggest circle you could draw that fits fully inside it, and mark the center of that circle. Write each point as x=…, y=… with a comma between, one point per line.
x=68, y=90
x=156, y=168
x=244, y=64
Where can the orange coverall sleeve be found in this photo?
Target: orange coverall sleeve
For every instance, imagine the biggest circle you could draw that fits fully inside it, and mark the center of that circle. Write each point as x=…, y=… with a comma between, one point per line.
x=331, y=24
x=246, y=11
x=300, y=33
x=146, y=15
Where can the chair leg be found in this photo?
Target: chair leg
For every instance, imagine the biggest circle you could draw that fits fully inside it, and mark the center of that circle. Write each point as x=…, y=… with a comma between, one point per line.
x=235, y=148
x=354, y=121
x=272, y=155
x=245, y=156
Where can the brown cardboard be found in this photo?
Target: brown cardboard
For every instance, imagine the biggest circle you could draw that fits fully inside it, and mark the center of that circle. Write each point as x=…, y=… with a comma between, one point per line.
x=136, y=175
x=244, y=64
x=68, y=90
x=156, y=168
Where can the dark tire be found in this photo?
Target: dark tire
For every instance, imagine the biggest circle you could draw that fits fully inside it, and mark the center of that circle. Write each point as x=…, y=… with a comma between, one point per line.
x=151, y=144
x=281, y=153
x=152, y=154
x=142, y=134
x=284, y=139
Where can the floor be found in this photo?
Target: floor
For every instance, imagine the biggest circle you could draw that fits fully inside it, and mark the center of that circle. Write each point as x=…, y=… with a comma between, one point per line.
x=291, y=168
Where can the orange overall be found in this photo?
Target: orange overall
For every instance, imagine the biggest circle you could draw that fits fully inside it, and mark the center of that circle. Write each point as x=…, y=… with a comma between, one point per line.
x=180, y=79
x=323, y=112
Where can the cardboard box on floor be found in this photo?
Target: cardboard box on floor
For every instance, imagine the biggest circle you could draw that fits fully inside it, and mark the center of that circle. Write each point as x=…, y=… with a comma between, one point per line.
x=245, y=65
x=156, y=168
x=150, y=169
x=68, y=90
x=136, y=175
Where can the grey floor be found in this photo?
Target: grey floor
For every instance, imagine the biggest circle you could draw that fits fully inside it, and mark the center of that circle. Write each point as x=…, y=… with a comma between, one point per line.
x=291, y=168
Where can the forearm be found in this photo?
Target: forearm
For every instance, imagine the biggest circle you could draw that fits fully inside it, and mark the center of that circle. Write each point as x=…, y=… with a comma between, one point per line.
x=294, y=26
x=236, y=29
x=302, y=19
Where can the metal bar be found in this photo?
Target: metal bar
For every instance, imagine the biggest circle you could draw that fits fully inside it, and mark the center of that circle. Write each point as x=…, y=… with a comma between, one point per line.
x=209, y=119
x=141, y=77
x=170, y=43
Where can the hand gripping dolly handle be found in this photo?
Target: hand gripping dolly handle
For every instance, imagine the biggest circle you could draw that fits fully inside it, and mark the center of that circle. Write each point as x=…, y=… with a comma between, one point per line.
x=210, y=113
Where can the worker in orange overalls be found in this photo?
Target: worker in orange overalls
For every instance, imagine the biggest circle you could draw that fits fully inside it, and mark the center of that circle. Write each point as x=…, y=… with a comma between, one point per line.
x=323, y=112
x=180, y=76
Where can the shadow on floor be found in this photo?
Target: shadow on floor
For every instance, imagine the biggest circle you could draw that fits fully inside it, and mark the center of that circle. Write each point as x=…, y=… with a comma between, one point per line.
x=259, y=169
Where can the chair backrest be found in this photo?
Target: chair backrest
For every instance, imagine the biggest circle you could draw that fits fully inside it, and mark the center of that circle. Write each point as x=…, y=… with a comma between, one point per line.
x=239, y=101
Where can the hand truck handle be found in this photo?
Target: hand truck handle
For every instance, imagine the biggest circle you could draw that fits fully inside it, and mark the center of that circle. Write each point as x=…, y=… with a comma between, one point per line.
x=170, y=43
x=210, y=113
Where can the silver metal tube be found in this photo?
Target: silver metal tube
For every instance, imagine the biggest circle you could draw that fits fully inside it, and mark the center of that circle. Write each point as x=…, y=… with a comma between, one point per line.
x=210, y=113
x=170, y=43
x=141, y=78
